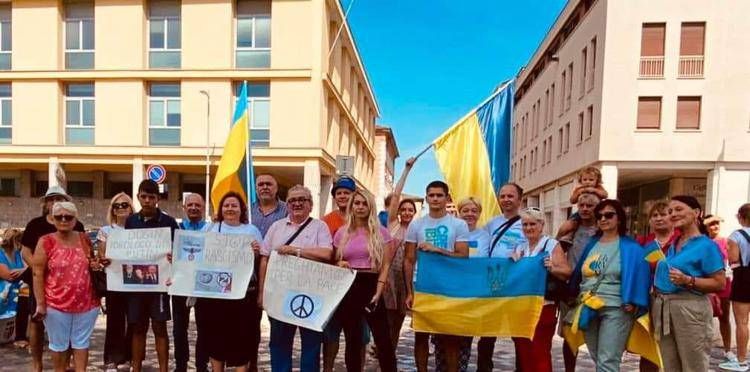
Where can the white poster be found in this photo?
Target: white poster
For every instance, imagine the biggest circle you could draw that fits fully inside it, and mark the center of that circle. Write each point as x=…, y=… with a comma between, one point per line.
x=139, y=259
x=213, y=265
x=304, y=292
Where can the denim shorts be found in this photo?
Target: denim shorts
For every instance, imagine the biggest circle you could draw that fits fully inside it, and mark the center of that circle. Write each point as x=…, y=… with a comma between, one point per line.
x=70, y=330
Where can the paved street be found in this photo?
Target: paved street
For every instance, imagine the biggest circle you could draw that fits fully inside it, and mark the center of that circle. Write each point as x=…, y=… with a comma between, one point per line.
x=17, y=360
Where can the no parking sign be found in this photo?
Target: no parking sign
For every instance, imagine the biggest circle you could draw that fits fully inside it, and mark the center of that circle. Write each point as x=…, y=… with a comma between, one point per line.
x=156, y=173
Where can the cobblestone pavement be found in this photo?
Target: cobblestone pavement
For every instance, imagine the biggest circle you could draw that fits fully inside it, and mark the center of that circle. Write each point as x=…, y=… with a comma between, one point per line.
x=18, y=360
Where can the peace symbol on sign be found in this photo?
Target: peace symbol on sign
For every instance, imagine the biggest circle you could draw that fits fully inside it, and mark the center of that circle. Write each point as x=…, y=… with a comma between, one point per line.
x=302, y=306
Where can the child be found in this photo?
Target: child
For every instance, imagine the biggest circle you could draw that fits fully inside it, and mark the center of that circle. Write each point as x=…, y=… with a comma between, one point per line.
x=589, y=181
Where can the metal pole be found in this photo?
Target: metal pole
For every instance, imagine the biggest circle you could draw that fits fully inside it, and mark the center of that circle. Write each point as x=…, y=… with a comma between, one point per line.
x=208, y=153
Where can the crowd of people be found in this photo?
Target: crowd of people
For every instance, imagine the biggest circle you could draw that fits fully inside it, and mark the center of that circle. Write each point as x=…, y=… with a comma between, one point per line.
x=600, y=280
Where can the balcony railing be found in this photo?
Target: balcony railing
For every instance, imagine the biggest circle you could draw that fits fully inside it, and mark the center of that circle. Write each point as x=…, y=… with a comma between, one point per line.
x=652, y=67
x=691, y=67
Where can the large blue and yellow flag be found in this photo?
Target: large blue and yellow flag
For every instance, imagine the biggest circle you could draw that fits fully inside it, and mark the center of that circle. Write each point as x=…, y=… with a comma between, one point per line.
x=474, y=154
x=493, y=297
x=235, y=171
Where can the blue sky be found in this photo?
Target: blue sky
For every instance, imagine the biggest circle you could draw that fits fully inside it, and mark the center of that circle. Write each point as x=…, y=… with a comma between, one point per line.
x=431, y=61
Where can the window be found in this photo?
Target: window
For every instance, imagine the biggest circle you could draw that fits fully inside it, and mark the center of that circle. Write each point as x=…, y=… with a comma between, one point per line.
x=112, y=188
x=536, y=117
x=566, y=145
x=81, y=189
x=536, y=157
x=531, y=166
x=692, y=39
x=164, y=118
x=688, y=112
x=589, y=121
x=551, y=104
x=544, y=152
x=570, y=87
x=40, y=188
x=546, y=108
x=259, y=103
x=8, y=187
x=564, y=80
x=560, y=143
x=6, y=114
x=79, y=114
x=6, y=36
x=652, y=50
x=164, y=34
x=649, y=113
x=580, y=127
x=592, y=64
x=533, y=120
x=253, y=34
x=584, y=72
x=79, y=34
x=549, y=151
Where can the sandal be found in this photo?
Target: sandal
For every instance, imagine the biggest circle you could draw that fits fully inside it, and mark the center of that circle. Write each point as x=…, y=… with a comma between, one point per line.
x=21, y=344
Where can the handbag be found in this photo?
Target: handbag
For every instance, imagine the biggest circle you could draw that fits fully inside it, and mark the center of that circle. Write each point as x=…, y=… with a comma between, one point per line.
x=98, y=277
x=556, y=289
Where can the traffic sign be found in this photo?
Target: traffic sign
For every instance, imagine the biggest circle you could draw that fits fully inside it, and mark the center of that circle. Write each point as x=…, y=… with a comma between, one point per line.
x=156, y=173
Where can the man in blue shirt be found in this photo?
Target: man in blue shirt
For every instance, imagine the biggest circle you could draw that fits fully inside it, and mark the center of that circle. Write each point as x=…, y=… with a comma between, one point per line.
x=143, y=306
x=195, y=209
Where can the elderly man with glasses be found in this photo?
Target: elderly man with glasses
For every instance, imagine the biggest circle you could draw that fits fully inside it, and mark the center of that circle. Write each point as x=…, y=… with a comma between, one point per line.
x=308, y=238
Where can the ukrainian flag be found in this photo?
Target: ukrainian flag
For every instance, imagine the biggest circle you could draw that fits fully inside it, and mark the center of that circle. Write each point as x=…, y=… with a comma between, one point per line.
x=235, y=171
x=474, y=154
x=478, y=297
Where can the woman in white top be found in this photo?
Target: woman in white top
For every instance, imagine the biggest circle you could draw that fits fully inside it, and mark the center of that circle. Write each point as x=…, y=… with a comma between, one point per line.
x=535, y=354
x=229, y=322
x=118, y=336
x=738, y=247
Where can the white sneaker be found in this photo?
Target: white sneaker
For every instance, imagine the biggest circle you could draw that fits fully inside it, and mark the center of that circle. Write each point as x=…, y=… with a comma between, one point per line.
x=735, y=366
x=730, y=357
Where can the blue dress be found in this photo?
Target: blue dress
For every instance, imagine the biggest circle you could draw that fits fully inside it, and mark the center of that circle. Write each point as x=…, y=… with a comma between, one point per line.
x=8, y=289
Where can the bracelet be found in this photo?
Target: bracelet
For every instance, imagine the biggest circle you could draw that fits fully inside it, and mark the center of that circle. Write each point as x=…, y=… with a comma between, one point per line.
x=692, y=282
x=381, y=281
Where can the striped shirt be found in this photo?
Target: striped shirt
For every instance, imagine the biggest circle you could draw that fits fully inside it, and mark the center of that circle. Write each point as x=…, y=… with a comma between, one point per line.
x=264, y=221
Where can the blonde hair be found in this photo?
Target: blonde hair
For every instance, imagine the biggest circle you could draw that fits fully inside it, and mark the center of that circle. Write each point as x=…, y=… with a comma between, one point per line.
x=591, y=170
x=111, y=211
x=470, y=200
x=375, y=244
x=65, y=206
x=532, y=213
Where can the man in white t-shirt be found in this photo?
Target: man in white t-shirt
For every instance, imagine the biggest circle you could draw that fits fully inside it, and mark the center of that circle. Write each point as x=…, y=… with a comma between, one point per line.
x=506, y=233
x=437, y=232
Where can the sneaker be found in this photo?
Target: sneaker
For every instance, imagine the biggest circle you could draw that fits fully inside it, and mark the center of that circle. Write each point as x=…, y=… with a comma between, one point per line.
x=735, y=366
x=730, y=357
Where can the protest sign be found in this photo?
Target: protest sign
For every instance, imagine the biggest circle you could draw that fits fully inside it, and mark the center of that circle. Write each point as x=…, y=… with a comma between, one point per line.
x=211, y=265
x=139, y=260
x=303, y=292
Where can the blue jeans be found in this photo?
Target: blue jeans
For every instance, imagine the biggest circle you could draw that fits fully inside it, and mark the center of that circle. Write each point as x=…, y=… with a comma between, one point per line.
x=282, y=340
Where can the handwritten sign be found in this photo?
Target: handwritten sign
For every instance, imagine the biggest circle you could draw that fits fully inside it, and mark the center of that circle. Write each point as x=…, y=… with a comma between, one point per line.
x=304, y=292
x=139, y=260
x=211, y=265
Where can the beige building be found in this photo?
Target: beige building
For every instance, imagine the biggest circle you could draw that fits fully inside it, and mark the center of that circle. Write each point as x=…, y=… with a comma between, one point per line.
x=654, y=93
x=105, y=88
x=386, y=152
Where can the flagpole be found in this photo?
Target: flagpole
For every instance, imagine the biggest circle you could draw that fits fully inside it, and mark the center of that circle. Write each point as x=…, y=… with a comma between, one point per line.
x=248, y=155
x=493, y=95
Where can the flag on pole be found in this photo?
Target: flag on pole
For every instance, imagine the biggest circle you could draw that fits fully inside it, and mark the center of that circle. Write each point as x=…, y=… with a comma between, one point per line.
x=235, y=171
x=474, y=154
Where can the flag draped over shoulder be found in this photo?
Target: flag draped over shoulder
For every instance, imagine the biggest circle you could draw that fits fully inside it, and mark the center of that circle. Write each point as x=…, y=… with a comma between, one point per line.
x=235, y=171
x=479, y=296
x=474, y=154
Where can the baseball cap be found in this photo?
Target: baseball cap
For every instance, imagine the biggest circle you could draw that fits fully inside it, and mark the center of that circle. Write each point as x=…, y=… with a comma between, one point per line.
x=344, y=182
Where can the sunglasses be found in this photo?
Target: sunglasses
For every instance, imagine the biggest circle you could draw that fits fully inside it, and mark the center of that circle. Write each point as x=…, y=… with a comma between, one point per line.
x=123, y=205
x=63, y=217
x=606, y=215
x=297, y=200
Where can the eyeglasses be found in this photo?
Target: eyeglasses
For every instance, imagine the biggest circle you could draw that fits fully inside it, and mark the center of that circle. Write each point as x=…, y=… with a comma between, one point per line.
x=123, y=205
x=63, y=217
x=297, y=200
x=606, y=215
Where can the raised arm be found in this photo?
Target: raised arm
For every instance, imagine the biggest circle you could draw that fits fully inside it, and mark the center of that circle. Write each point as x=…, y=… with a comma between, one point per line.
x=396, y=195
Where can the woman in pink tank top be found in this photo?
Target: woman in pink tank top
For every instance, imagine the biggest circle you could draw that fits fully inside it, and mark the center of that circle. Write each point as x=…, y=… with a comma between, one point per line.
x=364, y=245
x=62, y=286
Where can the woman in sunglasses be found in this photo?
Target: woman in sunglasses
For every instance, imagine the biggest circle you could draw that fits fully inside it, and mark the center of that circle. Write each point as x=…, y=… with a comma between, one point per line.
x=118, y=336
x=613, y=278
x=64, y=293
x=681, y=311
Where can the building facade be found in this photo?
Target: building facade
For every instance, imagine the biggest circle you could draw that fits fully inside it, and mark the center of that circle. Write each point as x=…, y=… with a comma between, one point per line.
x=652, y=93
x=386, y=152
x=105, y=88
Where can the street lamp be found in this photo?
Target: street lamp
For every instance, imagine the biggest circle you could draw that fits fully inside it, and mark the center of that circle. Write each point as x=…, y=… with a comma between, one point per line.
x=208, y=152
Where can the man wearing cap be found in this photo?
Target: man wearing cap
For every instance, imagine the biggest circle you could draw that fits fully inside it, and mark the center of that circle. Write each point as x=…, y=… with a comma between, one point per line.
x=35, y=229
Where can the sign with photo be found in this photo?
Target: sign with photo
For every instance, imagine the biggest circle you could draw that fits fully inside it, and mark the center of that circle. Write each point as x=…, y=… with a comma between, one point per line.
x=139, y=260
x=211, y=265
x=304, y=292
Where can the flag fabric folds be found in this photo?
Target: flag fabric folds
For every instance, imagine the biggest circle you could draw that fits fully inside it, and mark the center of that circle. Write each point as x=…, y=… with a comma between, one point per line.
x=479, y=296
x=474, y=154
x=235, y=171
